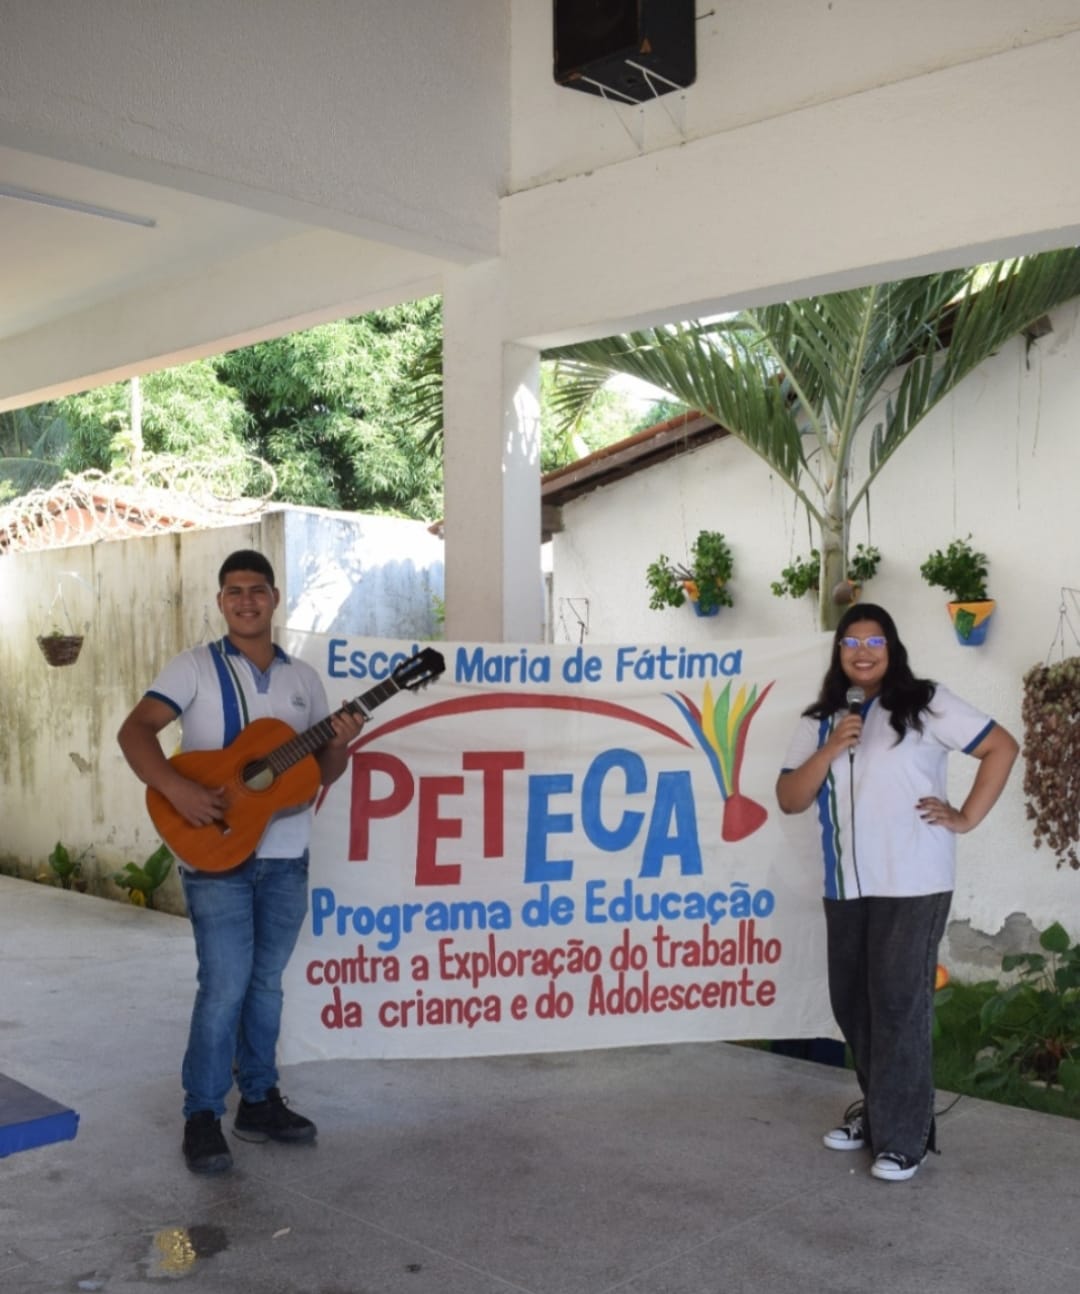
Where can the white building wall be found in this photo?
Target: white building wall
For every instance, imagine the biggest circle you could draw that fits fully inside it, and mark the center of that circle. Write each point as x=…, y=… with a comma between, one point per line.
x=999, y=460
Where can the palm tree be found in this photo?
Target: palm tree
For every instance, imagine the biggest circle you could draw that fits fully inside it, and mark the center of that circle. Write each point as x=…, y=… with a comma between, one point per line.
x=804, y=382
x=31, y=443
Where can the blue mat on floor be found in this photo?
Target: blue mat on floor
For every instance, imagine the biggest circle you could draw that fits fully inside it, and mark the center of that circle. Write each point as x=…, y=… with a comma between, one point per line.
x=28, y=1119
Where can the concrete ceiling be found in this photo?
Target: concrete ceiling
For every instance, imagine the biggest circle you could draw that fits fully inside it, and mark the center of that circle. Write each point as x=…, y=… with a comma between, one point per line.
x=59, y=261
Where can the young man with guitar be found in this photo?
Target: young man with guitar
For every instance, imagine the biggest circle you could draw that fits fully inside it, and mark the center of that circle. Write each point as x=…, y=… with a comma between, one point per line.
x=245, y=918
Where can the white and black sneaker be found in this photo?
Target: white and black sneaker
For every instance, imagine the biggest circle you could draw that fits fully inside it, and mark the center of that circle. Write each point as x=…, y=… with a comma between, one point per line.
x=850, y=1134
x=891, y=1167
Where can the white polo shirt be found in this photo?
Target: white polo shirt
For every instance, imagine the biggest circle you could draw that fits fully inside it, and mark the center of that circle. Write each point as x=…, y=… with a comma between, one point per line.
x=216, y=692
x=889, y=850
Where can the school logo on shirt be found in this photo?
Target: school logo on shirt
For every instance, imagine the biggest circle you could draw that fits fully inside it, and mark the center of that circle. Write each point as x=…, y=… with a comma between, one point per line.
x=298, y=701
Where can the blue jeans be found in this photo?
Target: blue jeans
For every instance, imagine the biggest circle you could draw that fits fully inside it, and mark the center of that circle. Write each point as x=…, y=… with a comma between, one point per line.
x=246, y=922
x=882, y=955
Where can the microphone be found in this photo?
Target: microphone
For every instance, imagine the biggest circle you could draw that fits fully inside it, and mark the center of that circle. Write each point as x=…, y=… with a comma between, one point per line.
x=854, y=697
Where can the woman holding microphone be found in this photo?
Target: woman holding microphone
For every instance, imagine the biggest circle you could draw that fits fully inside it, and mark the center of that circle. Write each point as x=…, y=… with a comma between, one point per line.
x=871, y=753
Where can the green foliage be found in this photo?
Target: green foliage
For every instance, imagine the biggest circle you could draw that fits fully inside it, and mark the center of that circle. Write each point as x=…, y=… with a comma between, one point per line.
x=942, y=998
x=1051, y=716
x=326, y=408
x=804, y=574
x=186, y=411
x=801, y=577
x=31, y=443
x=863, y=563
x=609, y=416
x=960, y=570
x=1032, y=1027
x=68, y=868
x=707, y=573
x=141, y=882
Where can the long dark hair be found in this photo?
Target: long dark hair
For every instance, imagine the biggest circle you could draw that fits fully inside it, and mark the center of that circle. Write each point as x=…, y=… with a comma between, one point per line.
x=905, y=697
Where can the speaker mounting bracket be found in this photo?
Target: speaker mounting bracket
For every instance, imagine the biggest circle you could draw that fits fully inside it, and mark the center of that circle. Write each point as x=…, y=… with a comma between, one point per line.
x=619, y=100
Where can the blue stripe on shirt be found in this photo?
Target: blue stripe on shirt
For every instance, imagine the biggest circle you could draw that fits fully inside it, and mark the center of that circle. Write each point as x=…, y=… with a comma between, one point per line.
x=229, y=704
x=160, y=696
x=981, y=737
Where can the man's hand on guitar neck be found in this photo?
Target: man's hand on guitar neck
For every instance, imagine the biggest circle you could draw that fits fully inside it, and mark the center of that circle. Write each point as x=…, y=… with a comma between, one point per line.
x=334, y=756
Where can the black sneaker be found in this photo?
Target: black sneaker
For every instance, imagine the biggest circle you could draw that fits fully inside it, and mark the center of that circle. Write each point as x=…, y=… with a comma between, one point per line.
x=205, y=1147
x=271, y=1120
x=850, y=1132
x=890, y=1167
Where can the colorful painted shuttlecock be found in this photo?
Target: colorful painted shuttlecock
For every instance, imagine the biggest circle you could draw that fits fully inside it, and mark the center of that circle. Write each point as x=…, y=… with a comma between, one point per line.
x=720, y=727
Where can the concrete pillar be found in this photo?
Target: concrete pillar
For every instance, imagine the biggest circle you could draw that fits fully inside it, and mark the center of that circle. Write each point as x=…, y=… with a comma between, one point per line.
x=491, y=416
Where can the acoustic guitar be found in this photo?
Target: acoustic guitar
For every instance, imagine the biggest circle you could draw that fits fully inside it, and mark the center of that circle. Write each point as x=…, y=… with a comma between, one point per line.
x=268, y=768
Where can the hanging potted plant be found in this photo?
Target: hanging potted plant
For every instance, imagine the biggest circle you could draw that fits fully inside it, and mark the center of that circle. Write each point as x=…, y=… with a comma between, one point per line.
x=804, y=575
x=1050, y=712
x=961, y=571
x=60, y=648
x=702, y=581
x=61, y=645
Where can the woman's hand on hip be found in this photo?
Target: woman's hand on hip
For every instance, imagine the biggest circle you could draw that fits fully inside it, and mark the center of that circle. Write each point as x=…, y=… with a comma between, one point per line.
x=940, y=813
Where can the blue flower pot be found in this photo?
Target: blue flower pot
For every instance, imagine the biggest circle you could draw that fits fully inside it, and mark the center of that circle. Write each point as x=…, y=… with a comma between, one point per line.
x=971, y=621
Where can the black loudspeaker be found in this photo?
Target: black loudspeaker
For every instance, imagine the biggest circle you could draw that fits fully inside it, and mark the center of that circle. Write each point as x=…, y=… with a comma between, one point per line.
x=597, y=41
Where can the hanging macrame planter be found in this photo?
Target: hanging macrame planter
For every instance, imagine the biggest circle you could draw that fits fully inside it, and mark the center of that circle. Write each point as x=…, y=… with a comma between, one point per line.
x=58, y=647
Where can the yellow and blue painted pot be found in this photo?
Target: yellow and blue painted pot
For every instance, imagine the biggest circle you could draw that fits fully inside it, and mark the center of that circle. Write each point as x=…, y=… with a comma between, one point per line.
x=691, y=589
x=971, y=620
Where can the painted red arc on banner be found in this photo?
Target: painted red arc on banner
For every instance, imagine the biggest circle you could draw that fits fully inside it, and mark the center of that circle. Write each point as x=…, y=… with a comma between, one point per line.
x=511, y=701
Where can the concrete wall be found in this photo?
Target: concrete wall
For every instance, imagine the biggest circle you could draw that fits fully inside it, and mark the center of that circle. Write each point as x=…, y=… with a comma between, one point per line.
x=1000, y=460
x=824, y=142
x=350, y=114
x=139, y=601
x=757, y=61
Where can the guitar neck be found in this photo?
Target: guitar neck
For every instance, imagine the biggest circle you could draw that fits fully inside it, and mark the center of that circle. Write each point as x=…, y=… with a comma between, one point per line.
x=315, y=738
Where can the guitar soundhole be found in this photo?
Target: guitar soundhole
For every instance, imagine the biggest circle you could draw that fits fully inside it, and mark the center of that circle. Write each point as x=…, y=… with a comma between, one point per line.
x=258, y=775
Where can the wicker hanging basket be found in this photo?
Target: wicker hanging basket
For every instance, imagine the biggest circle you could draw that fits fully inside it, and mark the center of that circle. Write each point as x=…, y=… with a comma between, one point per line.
x=60, y=649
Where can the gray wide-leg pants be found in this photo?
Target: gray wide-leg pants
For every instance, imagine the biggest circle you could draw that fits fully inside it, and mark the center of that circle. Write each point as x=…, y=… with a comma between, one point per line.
x=882, y=957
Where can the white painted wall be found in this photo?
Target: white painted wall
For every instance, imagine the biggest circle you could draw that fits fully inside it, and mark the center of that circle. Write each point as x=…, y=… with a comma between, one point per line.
x=372, y=575
x=139, y=601
x=1001, y=460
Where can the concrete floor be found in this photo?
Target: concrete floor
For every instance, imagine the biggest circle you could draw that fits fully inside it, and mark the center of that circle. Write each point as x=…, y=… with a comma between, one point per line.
x=658, y=1170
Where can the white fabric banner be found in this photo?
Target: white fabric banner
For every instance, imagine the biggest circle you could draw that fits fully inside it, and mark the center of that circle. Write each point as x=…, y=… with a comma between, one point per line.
x=556, y=848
